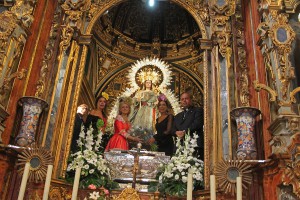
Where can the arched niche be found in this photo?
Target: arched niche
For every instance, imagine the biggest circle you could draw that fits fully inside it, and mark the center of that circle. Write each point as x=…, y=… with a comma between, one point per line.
x=63, y=133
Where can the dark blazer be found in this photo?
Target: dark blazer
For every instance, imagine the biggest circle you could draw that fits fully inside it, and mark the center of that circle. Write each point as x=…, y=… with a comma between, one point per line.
x=193, y=121
x=77, y=129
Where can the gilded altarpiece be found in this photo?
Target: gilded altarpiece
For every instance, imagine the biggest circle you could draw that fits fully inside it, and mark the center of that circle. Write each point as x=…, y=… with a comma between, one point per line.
x=214, y=55
x=210, y=72
x=74, y=20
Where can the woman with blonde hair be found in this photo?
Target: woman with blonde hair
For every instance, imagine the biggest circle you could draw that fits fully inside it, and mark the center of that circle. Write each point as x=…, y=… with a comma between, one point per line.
x=122, y=125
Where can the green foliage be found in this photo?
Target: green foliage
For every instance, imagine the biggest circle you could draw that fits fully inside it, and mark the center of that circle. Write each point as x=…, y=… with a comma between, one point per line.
x=94, y=168
x=172, y=177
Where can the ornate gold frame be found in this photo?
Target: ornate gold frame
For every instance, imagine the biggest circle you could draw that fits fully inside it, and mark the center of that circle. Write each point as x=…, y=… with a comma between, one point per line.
x=59, y=135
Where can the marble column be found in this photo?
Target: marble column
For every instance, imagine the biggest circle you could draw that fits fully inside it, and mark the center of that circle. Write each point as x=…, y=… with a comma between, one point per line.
x=245, y=119
x=32, y=108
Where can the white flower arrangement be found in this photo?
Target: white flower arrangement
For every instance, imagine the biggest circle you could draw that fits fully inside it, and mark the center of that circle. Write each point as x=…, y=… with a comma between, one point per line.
x=93, y=196
x=173, y=177
x=94, y=168
x=96, y=196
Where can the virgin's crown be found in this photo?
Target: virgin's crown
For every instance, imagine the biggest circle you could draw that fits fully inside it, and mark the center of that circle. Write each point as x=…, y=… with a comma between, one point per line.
x=149, y=74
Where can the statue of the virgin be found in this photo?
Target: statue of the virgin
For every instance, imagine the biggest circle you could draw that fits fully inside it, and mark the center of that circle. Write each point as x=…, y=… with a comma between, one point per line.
x=148, y=78
x=145, y=100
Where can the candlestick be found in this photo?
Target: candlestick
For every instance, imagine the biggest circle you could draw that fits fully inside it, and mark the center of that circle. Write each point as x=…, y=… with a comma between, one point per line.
x=47, y=182
x=190, y=185
x=239, y=188
x=213, y=187
x=24, y=181
x=76, y=183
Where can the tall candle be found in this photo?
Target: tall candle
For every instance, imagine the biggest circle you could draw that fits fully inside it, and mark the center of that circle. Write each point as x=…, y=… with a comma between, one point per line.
x=47, y=182
x=239, y=188
x=76, y=183
x=190, y=185
x=24, y=181
x=213, y=187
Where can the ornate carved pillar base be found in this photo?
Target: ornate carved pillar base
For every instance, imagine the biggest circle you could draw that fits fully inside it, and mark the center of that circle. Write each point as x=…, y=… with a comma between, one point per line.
x=282, y=130
x=32, y=108
x=245, y=119
x=3, y=116
x=282, y=174
x=7, y=161
x=291, y=174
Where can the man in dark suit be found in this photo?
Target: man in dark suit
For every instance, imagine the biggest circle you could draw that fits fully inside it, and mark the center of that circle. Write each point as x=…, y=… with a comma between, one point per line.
x=191, y=118
x=80, y=119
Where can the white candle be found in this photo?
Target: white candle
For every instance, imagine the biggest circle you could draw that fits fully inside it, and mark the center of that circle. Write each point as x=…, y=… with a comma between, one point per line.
x=24, y=181
x=47, y=182
x=190, y=185
x=76, y=183
x=239, y=188
x=213, y=187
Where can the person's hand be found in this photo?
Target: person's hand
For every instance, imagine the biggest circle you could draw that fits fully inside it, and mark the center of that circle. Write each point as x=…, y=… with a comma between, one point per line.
x=137, y=139
x=180, y=134
x=151, y=140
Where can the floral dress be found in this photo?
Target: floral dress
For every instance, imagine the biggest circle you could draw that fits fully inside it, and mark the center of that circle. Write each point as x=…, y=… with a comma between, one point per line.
x=118, y=140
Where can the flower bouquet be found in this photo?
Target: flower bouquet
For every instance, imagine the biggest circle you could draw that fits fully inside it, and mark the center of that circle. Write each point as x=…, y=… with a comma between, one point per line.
x=94, y=168
x=102, y=195
x=172, y=179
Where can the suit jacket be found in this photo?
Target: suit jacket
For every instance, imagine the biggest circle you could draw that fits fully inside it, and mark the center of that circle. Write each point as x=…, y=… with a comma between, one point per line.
x=77, y=129
x=192, y=121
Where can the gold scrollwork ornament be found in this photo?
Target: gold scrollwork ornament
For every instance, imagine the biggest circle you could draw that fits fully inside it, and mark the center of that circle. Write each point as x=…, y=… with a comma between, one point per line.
x=291, y=173
x=41, y=83
x=67, y=34
x=226, y=7
x=128, y=193
x=7, y=25
x=224, y=43
x=282, y=34
x=82, y=5
x=74, y=11
x=58, y=193
x=260, y=86
x=23, y=10
x=293, y=93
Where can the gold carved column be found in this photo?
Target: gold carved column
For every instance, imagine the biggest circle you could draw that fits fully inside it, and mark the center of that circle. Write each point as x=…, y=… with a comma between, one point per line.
x=70, y=65
x=276, y=40
x=221, y=12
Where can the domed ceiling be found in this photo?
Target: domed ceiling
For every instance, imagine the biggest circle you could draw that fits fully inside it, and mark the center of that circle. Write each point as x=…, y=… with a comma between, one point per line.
x=134, y=29
x=166, y=21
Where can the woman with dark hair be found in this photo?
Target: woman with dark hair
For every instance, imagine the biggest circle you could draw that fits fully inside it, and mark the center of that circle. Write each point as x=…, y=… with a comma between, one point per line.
x=100, y=111
x=163, y=127
x=122, y=125
x=98, y=118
